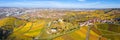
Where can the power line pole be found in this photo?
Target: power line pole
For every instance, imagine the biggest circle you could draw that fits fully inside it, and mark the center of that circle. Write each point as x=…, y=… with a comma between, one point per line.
x=88, y=32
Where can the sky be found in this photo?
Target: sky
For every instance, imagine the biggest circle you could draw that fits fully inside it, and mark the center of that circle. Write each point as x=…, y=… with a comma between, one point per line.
x=61, y=3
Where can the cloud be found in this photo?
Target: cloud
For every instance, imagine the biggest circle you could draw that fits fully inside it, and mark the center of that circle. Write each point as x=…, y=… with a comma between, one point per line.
x=81, y=0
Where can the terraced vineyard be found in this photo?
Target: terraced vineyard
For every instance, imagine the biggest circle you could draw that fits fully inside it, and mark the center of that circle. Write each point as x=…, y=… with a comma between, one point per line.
x=73, y=25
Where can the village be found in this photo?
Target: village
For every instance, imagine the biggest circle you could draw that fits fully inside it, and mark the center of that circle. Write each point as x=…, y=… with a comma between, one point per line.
x=57, y=29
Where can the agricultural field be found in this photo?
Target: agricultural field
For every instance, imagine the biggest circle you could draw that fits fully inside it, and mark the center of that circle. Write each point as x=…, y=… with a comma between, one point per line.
x=57, y=24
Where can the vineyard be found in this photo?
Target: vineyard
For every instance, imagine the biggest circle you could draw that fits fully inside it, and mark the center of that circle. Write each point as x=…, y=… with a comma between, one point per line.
x=73, y=25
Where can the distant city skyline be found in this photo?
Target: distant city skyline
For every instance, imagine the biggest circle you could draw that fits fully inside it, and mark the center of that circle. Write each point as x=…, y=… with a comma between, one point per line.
x=61, y=3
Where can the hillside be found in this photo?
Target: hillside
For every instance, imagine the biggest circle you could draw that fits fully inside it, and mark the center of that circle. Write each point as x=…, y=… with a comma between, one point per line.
x=62, y=25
